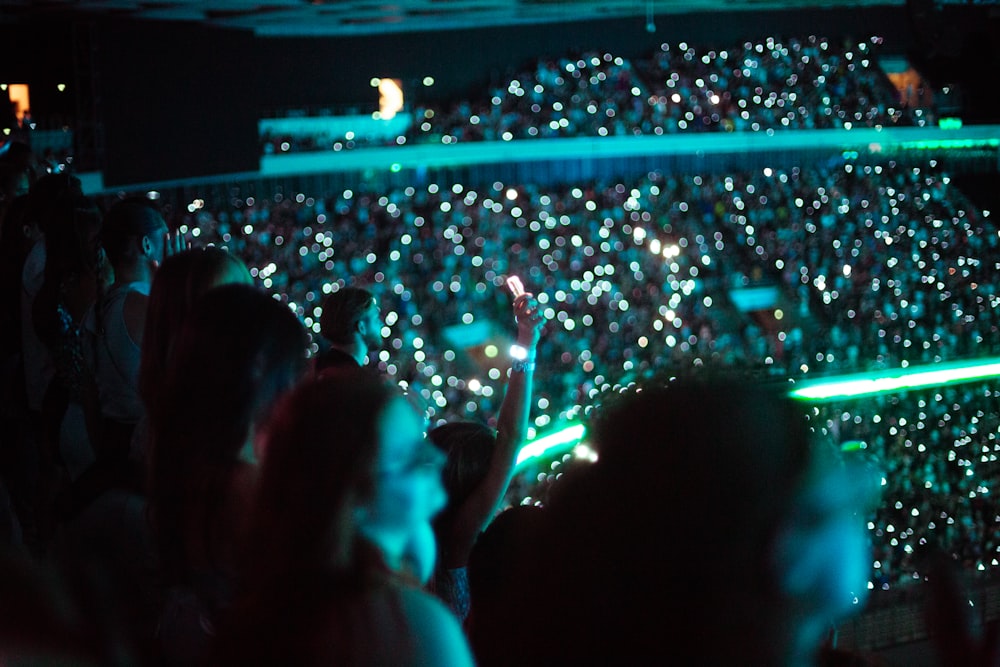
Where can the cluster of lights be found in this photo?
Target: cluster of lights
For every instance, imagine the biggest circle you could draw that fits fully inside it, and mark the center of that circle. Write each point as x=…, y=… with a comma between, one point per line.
x=637, y=263
x=759, y=86
x=938, y=448
x=634, y=277
x=936, y=428
x=769, y=85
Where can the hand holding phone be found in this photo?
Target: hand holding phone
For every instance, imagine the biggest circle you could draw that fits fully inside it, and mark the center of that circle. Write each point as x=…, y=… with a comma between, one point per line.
x=526, y=313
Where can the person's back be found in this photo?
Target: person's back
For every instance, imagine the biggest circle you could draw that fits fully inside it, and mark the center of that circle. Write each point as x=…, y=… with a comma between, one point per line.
x=502, y=555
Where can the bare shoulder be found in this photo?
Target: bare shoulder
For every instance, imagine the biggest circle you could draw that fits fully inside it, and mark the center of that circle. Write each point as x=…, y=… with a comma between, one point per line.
x=438, y=637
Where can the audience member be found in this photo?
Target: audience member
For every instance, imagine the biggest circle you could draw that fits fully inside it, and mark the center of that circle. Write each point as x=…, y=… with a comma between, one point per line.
x=351, y=322
x=33, y=479
x=37, y=223
x=480, y=463
x=76, y=274
x=135, y=240
x=109, y=532
x=347, y=479
x=496, y=563
x=239, y=350
x=712, y=529
x=179, y=283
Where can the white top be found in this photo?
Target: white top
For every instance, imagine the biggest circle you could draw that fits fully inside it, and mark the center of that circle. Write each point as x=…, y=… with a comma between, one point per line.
x=118, y=358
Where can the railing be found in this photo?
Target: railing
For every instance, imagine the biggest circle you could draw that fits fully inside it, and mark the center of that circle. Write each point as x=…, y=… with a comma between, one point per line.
x=971, y=148
x=694, y=149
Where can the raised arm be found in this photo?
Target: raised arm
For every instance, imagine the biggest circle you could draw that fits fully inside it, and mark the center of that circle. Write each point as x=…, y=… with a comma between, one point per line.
x=512, y=428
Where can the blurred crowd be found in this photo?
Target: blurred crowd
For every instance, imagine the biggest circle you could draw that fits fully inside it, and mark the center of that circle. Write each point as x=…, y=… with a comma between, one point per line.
x=938, y=452
x=872, y=266
x=768, y=85
x=216, y=399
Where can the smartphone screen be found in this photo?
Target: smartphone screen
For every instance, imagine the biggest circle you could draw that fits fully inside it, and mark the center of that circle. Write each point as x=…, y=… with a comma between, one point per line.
x=515, y=286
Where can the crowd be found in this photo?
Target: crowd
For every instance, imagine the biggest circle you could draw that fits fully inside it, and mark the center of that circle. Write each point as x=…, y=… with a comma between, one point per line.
x=143, y=384
x=874, y=266
x=201, y=422
x=195, y=490
x=859, y=294
x=938, y=452
x=763, y=85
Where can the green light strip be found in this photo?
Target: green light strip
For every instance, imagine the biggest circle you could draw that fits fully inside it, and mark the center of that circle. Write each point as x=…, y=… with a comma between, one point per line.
x=550, y=444
x=869, y=384
x=951, y=144
x=842, y=387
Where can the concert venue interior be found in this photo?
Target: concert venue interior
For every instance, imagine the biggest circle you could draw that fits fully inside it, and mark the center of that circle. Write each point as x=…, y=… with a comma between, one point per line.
x=804, y=193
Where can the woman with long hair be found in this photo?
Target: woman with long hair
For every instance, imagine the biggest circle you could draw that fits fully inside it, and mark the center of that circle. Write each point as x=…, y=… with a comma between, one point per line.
x=348, y=480
x=237, y=353
x=179, y=283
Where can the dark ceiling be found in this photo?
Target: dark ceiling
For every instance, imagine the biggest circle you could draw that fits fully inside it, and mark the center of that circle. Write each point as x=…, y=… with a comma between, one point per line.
x=367, y=17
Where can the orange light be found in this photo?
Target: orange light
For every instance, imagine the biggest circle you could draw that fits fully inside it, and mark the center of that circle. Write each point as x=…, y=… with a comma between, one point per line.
x=19, y=97
x=390, y=100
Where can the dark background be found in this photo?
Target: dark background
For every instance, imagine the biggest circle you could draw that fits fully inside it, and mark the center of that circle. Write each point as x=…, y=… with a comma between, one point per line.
x=180, y=100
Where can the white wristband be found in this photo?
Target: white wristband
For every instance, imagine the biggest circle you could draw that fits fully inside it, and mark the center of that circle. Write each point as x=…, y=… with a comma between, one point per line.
x=521, y=366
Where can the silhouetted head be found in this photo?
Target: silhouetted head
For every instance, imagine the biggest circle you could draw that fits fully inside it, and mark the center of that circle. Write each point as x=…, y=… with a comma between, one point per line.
x=348, y=312
x=44, y=193
x=469, y=448
x=133, y=230
x=237, y=352
x=72, y=227
x=714, y=518
x=346, y=474
x=179, y=283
